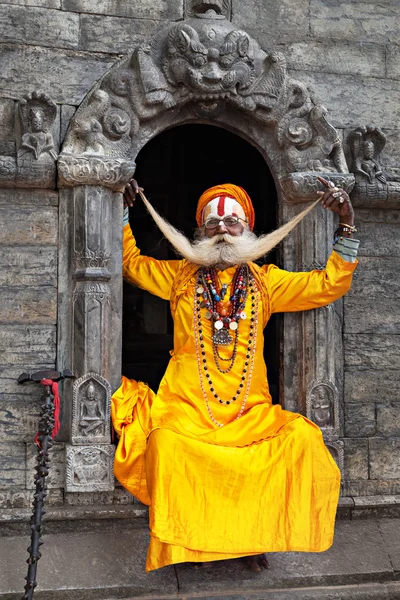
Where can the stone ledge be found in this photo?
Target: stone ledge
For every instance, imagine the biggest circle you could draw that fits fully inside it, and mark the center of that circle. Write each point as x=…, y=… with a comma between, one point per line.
x=110, y=565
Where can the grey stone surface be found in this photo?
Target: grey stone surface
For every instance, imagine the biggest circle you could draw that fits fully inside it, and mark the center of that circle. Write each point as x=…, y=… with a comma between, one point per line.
x=29, y=304
x=342, y=564
x=338, y=94
x=391, y=539
x=376, y=278
x=27, y=345
x=40, y=26
x=28, y=225
x=371, y=386
x=56, y=477
x=379, y=234
x=93, y=564
x=115, y=34
x=12, y=468
x=355, y=459
x=392, y=61
x=159, y=9
x=19, y=420
x=387, y=418
x=59, y=65
x=359, y=420
x=371, y=315
x=28, y=198
x=339, y=58
x=41, y=3
x=361, y=20
x=371, y=351
x=360, y=487
x=18, y=498
x=27, y=266
x=67, y=112
x=384, y=458
x=272, y=22
x=7, y=119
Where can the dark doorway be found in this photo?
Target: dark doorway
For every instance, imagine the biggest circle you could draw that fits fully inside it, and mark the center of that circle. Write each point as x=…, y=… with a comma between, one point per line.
x=174, y=169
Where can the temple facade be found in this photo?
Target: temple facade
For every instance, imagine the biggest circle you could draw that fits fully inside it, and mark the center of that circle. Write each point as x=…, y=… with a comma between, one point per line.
x=89, y=91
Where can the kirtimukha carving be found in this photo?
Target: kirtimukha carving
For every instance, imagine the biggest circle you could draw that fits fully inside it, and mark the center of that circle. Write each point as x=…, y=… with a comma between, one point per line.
x=91, y=399
x=37, y=155
x=90, y=468
x=323, y=407
x=372, y=186
x=203, y=67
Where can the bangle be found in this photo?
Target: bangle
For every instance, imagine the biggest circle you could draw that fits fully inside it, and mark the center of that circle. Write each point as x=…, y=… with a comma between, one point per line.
x=347, y=227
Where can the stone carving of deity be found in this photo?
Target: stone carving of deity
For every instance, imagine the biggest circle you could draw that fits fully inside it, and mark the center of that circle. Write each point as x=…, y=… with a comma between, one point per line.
x=322, y=405
x=92, y=418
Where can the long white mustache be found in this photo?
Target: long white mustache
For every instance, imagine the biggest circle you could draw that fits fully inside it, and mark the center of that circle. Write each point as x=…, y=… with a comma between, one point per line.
x=224, y=250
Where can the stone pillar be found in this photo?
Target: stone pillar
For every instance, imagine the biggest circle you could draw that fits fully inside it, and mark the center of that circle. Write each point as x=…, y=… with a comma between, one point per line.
x=90, y=323
x=312, y=374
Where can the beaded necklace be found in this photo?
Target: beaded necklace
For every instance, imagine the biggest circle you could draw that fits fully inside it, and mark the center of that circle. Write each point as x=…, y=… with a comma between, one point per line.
x=207, y=297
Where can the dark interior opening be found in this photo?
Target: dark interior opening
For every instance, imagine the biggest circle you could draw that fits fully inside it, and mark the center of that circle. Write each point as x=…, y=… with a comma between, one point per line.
x=175, y=168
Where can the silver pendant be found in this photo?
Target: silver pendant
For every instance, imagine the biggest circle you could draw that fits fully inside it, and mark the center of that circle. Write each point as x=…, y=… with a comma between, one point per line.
x=222, y=337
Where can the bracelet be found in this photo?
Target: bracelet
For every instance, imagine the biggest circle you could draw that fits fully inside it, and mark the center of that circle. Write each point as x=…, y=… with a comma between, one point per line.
x=347, y=227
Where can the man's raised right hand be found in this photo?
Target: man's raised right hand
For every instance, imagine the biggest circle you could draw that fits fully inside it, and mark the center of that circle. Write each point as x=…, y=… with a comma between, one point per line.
x=130, y=192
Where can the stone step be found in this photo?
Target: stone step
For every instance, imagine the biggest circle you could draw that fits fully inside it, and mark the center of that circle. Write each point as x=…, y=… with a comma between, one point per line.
x=363, y=564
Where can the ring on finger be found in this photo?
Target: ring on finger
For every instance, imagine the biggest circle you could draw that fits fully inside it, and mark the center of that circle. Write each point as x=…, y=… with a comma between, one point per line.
x=337, y=194
x=331, y=184
x=341, y=200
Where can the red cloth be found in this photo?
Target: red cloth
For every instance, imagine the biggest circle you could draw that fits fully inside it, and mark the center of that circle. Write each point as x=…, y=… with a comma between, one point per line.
x=56, y=401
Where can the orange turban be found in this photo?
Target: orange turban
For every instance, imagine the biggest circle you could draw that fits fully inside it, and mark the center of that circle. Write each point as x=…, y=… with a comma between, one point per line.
x=226, y=189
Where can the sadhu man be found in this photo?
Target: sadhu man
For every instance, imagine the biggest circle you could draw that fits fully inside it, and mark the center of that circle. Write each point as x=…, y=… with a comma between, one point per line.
x=226, y=473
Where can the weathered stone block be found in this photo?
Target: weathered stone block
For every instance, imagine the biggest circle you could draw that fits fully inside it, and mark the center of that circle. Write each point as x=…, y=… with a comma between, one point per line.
x=271, y=21
x=28, y=225
x=115, y=34
x=393, y=61
x=7, y=119
x=379, y=232
x=67, y=112
x=9, y=381
x=341, y=58
x=43, y=3
x=371, y=488
x=359, y=420
x=69, y=75
x=354, y=100
x=89, y=468
x=384, y=458
x=12, y=465
x=371, y=315
x=39, y=26
x=387, y=418
x=56, y=477
x=19, y=419
x=27, y=266
x=371, y=385
x=137, y=9
x=362, y=21
x=88, y=499
x=376, y=278
x=28, y=305
x=30, y=198
x=355, y=459
x=371, y=351
x=21, y=498
x=27, y=345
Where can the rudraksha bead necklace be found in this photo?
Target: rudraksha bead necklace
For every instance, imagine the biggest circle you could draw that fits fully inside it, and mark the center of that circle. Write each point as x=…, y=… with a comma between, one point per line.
x=207, y=297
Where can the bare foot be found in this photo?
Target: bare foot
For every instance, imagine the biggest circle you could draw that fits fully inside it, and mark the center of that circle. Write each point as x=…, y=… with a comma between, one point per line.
x=257, y=562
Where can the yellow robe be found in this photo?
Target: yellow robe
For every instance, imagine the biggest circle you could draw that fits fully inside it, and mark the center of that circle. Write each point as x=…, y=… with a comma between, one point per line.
x=262, y=483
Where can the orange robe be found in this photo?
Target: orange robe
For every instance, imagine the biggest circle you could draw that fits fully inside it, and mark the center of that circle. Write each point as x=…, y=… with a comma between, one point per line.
x=262, y=483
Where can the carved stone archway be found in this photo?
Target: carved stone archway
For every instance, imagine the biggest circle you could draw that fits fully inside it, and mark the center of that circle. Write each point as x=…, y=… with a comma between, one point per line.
x=202, y=70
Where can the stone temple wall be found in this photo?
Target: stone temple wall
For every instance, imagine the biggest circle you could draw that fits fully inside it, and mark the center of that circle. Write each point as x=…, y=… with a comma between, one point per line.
x=349, y=52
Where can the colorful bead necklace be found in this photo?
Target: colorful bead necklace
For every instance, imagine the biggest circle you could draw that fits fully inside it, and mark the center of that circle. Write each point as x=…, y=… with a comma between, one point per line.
x=207, y=297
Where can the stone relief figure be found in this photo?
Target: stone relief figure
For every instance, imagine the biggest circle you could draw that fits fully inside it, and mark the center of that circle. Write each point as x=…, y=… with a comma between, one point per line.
x=367, y=144
x=92, y=418
x=322, y=405
x=89, y=468
x=37, y=114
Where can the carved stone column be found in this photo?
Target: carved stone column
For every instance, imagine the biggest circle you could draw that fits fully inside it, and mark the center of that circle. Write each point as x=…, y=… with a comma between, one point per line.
x=90, y=328
x=312, y=374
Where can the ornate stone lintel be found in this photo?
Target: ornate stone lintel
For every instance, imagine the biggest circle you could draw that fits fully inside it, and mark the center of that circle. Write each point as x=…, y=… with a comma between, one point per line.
x=89, y=468
x=303, y=186
x=91, y=398
x=323, y=408
x=337, y=451
x=113, y=173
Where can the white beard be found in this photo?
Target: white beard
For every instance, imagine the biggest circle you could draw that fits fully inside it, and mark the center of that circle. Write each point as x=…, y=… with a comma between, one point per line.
x=224, y=250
